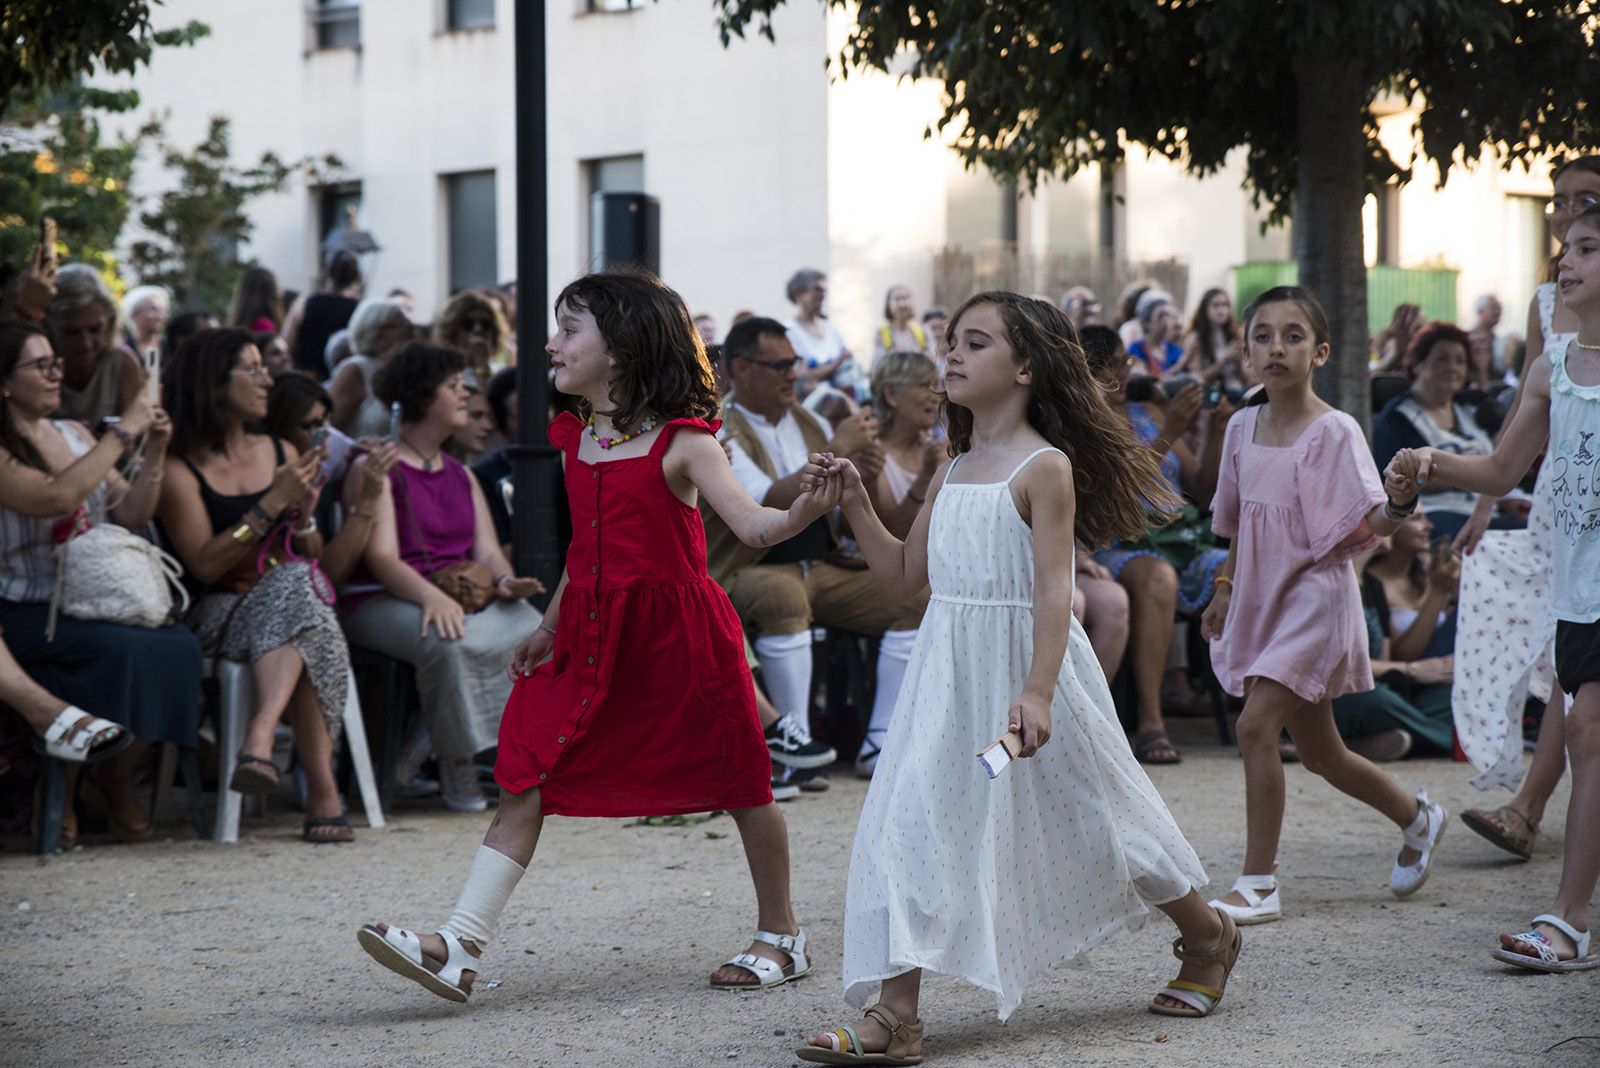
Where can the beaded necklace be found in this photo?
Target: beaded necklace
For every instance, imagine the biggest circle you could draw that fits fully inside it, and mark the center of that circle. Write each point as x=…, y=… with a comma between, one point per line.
x=608, y=443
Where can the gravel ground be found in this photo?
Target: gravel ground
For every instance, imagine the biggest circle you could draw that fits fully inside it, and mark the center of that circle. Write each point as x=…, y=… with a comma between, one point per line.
x=179, y=952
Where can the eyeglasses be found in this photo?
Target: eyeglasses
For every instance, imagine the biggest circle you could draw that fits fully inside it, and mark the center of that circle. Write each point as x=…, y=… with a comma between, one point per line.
x=783, y=367
x=258, y=371
x=477, y=326
x=47, y=366
x=1581, y=202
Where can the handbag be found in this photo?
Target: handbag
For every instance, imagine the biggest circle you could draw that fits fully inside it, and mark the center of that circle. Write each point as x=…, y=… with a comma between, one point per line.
x=109, y=574
x=468, y=583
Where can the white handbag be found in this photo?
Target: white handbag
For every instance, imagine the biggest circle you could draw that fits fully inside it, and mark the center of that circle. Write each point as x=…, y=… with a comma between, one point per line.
x=105, y=572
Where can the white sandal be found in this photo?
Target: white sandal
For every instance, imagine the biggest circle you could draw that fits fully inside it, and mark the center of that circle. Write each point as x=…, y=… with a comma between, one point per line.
x=1260, y=893
x=1423, y=835
x=1547, y=959
x=770, y=972
x=96, y=739
x=401, y=952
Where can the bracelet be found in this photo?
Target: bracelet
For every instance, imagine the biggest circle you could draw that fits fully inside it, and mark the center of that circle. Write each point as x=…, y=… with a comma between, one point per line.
x=262, y=514
x=244, y=534
x=543, y=625
x=308, y=529
x=1401, y=516
x=1222, y=580
x=122, y=435
x=359, y=514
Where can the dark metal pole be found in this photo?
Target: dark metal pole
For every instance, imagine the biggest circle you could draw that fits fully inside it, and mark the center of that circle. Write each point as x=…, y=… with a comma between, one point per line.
x=535, y=464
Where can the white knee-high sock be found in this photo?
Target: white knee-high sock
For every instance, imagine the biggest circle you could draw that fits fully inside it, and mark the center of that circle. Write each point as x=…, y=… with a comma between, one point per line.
x=786, y=667
x=894, y=656
x=483, y=896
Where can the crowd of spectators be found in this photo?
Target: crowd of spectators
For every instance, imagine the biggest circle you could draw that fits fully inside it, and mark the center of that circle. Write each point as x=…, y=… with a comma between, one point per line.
x=332, y=474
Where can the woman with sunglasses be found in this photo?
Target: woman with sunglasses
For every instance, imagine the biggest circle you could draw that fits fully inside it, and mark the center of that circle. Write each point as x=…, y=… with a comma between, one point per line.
x=55, y=477
x=472, y=324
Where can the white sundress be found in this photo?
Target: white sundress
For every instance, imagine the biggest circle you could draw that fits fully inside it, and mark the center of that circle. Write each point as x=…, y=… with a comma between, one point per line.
x=1506, y=625
x=994, y=881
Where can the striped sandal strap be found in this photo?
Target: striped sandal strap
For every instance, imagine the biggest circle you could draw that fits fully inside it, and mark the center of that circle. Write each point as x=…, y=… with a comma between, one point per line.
x=841, y=1035
x=1197, y=996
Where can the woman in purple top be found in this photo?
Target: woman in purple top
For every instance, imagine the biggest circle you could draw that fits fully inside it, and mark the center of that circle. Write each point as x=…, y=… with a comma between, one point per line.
x=433, y=515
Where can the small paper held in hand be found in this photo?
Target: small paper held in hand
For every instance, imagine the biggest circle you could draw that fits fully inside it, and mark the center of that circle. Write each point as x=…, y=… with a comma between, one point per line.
x=1000, y=753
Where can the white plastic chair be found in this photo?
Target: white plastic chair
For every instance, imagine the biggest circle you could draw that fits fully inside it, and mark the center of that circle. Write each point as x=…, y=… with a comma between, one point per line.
x=236, y=705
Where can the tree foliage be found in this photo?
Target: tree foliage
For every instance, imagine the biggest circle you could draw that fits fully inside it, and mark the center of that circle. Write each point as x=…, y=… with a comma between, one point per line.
x=49, y=44
x=1037, y=89
x=193, y=231
x=62, y=168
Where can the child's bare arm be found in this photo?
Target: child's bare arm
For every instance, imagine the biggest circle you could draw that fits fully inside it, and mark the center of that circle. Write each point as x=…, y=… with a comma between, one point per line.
x=1502, y=469
x=1046, y=488
x=699, y=459
x=901, y=567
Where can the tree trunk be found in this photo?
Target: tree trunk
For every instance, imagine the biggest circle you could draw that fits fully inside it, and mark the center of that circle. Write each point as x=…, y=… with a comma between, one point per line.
x=1327, y=221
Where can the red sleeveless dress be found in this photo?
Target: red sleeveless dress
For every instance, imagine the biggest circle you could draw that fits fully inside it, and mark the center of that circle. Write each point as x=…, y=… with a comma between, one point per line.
x=646, y=707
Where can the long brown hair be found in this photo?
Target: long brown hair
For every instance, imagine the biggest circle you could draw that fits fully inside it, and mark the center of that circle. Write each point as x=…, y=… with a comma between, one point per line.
x=661, y=364
x=1117, y=476
x=14, y=334
x=195, y=386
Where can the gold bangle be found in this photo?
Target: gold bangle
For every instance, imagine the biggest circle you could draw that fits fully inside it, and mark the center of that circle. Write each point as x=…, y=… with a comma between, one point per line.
x=359, y=514
x=244, y=534
x=1222, y=580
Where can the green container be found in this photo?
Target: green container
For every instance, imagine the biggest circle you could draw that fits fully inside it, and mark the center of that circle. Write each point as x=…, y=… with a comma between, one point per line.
x=1433, y=288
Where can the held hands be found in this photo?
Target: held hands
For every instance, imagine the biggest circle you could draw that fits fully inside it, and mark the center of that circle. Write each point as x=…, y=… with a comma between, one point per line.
x=821, y=486
x=1407, y=473
x=530, y=653
x=1030, y=716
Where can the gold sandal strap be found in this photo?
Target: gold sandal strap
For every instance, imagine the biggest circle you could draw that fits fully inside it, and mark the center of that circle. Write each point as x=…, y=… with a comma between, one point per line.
x=1197, y=988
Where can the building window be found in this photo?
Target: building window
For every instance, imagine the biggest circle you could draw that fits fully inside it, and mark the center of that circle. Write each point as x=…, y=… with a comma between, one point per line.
x=469, y=14
x=337, y=23
x=339, y=214
x=613, y=7
x=474, y=251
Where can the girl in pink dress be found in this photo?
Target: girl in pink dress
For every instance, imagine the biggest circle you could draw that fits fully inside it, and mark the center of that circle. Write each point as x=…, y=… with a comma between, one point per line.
x=1300, y=496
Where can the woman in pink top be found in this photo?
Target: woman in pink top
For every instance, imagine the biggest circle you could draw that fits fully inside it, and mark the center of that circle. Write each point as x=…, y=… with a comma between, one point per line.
x=1300, y=496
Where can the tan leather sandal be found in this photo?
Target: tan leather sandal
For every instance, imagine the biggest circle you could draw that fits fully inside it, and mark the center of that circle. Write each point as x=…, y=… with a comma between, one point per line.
x=1506, y=827
x=847, y=1048
x=1199, y=999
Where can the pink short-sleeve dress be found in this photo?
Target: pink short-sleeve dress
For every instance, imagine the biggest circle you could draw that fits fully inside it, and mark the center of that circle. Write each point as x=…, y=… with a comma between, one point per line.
x=1295, y=515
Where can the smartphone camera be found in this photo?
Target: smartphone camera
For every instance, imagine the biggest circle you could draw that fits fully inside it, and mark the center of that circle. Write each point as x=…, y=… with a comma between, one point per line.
x=1214, y=394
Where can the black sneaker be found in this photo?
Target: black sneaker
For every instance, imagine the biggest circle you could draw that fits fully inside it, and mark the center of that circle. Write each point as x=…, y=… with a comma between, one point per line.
x=784, y=791
x=810, y=780
x=794, y=750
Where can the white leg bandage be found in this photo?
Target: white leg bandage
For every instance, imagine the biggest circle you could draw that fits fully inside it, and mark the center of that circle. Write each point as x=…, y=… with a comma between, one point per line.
x=483, y=897
x=786, y=667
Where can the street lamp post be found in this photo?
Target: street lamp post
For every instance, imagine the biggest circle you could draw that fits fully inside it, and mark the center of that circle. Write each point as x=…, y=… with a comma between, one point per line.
x=535, y=464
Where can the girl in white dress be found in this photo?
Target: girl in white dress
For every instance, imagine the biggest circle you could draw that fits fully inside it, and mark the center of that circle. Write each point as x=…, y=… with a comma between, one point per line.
x=995, y=880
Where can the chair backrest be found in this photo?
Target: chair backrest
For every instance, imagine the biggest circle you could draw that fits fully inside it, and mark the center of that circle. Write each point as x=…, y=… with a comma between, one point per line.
x=1386, y=386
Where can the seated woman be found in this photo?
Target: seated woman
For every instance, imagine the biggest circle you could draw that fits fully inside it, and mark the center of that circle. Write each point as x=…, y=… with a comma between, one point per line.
x=101, y=378
x=297, y=410
x=52, y=472
x=377, y=329
x=238, y=510
x=1157, y=351
x=1428, y=414
x=1172, y=568
x=432, y=520
x=1408, y=590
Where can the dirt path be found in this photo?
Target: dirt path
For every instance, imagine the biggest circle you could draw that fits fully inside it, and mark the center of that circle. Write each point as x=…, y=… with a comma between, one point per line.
x=183, y=953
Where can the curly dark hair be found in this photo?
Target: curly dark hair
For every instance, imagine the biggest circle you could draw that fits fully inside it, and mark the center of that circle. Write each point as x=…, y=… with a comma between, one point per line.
x=195, y=385
x=1116, y=476
x=1423, y=341
x=413, y=375
x=661, y=365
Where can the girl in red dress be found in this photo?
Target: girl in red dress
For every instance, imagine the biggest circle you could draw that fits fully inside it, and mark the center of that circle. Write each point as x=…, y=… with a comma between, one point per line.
x=633, y=697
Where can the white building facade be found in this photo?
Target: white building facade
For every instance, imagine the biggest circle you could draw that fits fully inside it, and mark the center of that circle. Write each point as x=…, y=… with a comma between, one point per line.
x=763, y=160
